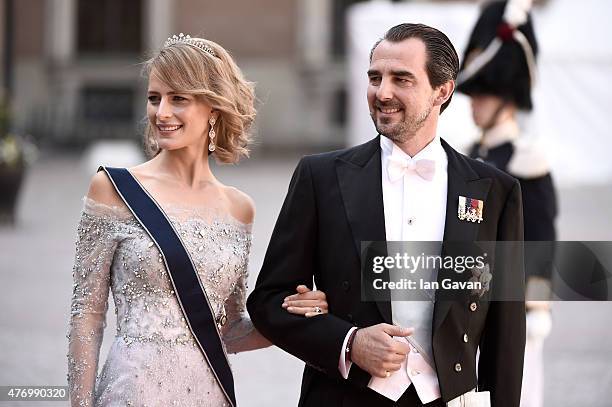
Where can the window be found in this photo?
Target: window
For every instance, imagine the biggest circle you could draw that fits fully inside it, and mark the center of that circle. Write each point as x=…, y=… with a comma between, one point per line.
x=109, y=26
x=107, y=104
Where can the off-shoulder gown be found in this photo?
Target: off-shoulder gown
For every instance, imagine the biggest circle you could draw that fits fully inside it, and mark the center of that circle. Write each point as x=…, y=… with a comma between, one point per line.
x=153, y=360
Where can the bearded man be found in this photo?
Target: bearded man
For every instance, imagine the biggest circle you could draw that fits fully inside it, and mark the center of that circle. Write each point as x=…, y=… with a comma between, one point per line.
x=406, y=184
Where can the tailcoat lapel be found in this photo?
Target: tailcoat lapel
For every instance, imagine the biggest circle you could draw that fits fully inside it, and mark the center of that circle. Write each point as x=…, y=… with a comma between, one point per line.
x=360, y=180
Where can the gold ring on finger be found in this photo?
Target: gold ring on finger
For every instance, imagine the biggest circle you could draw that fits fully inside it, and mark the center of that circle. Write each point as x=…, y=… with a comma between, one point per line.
x=387, y=373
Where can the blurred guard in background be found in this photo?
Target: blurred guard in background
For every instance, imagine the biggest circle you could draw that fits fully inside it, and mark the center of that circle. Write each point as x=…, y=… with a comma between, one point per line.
x=498, y=72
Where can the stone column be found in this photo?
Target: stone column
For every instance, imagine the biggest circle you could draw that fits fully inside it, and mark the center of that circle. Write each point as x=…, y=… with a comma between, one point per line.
x=158, y=22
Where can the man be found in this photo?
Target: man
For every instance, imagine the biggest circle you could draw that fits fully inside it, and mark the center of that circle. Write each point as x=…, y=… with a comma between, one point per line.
x=376, y=192
x=498, y=90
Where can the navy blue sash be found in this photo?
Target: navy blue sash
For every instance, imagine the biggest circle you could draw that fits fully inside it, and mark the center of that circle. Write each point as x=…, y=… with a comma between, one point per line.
x=189, y=291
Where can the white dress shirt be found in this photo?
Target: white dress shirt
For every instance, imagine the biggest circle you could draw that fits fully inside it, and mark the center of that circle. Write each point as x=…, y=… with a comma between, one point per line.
x=415, y=210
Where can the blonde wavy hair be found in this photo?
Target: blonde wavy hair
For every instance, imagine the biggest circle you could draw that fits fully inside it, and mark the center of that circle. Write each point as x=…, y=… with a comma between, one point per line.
x=219, y=82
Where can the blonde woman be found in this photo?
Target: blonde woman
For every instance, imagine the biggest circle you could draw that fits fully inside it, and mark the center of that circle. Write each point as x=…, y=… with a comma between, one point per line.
x=172, y=243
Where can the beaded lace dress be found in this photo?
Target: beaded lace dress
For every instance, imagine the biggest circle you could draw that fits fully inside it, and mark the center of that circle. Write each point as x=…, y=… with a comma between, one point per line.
x=153, y=360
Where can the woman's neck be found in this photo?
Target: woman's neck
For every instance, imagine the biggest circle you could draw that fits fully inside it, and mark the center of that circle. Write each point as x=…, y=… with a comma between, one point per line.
x=189, y=167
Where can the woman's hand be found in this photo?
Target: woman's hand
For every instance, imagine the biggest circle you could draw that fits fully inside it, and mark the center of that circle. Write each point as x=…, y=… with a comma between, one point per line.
x=306, y=302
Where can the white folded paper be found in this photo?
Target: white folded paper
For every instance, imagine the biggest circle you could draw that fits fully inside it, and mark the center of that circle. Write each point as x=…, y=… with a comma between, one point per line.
x=471, y=399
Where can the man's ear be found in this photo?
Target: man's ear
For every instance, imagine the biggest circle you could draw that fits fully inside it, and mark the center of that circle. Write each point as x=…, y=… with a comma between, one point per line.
x=445, y=91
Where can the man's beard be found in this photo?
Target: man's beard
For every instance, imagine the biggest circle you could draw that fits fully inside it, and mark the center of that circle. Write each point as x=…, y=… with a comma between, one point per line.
x=406, y=129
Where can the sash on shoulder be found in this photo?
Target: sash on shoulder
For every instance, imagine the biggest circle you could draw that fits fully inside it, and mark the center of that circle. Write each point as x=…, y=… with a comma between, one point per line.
x=187, y=285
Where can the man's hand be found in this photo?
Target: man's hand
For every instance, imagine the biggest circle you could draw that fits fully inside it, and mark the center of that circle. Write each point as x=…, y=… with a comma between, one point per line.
x=375, y=351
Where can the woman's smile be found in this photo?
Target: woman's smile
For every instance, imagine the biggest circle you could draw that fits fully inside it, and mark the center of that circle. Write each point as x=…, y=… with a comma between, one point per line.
x=167, y=129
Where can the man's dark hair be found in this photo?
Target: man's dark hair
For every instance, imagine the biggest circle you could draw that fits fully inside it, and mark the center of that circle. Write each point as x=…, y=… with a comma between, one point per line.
x=442, y=62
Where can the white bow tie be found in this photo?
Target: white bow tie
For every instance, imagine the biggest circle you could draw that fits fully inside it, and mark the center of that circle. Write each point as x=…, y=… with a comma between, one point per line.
x=398, y=167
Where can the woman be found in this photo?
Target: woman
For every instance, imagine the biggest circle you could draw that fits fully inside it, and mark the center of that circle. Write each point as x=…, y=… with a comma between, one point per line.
x=199, y=104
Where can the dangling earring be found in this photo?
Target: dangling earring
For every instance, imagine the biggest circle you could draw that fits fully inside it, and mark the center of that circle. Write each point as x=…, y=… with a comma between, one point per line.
x=211, y=134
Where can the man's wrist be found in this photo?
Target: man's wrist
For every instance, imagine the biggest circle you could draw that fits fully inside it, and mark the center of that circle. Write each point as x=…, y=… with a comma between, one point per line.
x=349, y=346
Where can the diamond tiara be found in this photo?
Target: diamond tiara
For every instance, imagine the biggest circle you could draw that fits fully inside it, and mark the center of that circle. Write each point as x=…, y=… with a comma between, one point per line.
x=186, y=39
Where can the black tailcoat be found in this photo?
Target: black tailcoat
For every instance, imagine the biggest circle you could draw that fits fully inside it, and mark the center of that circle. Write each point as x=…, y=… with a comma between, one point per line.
x=334, y=202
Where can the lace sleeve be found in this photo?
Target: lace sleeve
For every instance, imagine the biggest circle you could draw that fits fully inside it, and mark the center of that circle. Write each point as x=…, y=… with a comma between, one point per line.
x=95, y=247
x=239, y=334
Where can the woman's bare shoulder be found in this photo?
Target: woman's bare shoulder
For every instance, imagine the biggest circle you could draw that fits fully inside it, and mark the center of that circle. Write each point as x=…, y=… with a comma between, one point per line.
x=101, y=190
x=242, y=206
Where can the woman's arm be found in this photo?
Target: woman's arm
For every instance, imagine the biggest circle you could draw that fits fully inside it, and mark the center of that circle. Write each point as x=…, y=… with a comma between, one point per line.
x=95, y=247
x=240, y=335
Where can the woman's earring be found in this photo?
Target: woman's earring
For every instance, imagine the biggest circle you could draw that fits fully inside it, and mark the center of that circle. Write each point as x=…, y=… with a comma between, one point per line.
x=211, y=135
